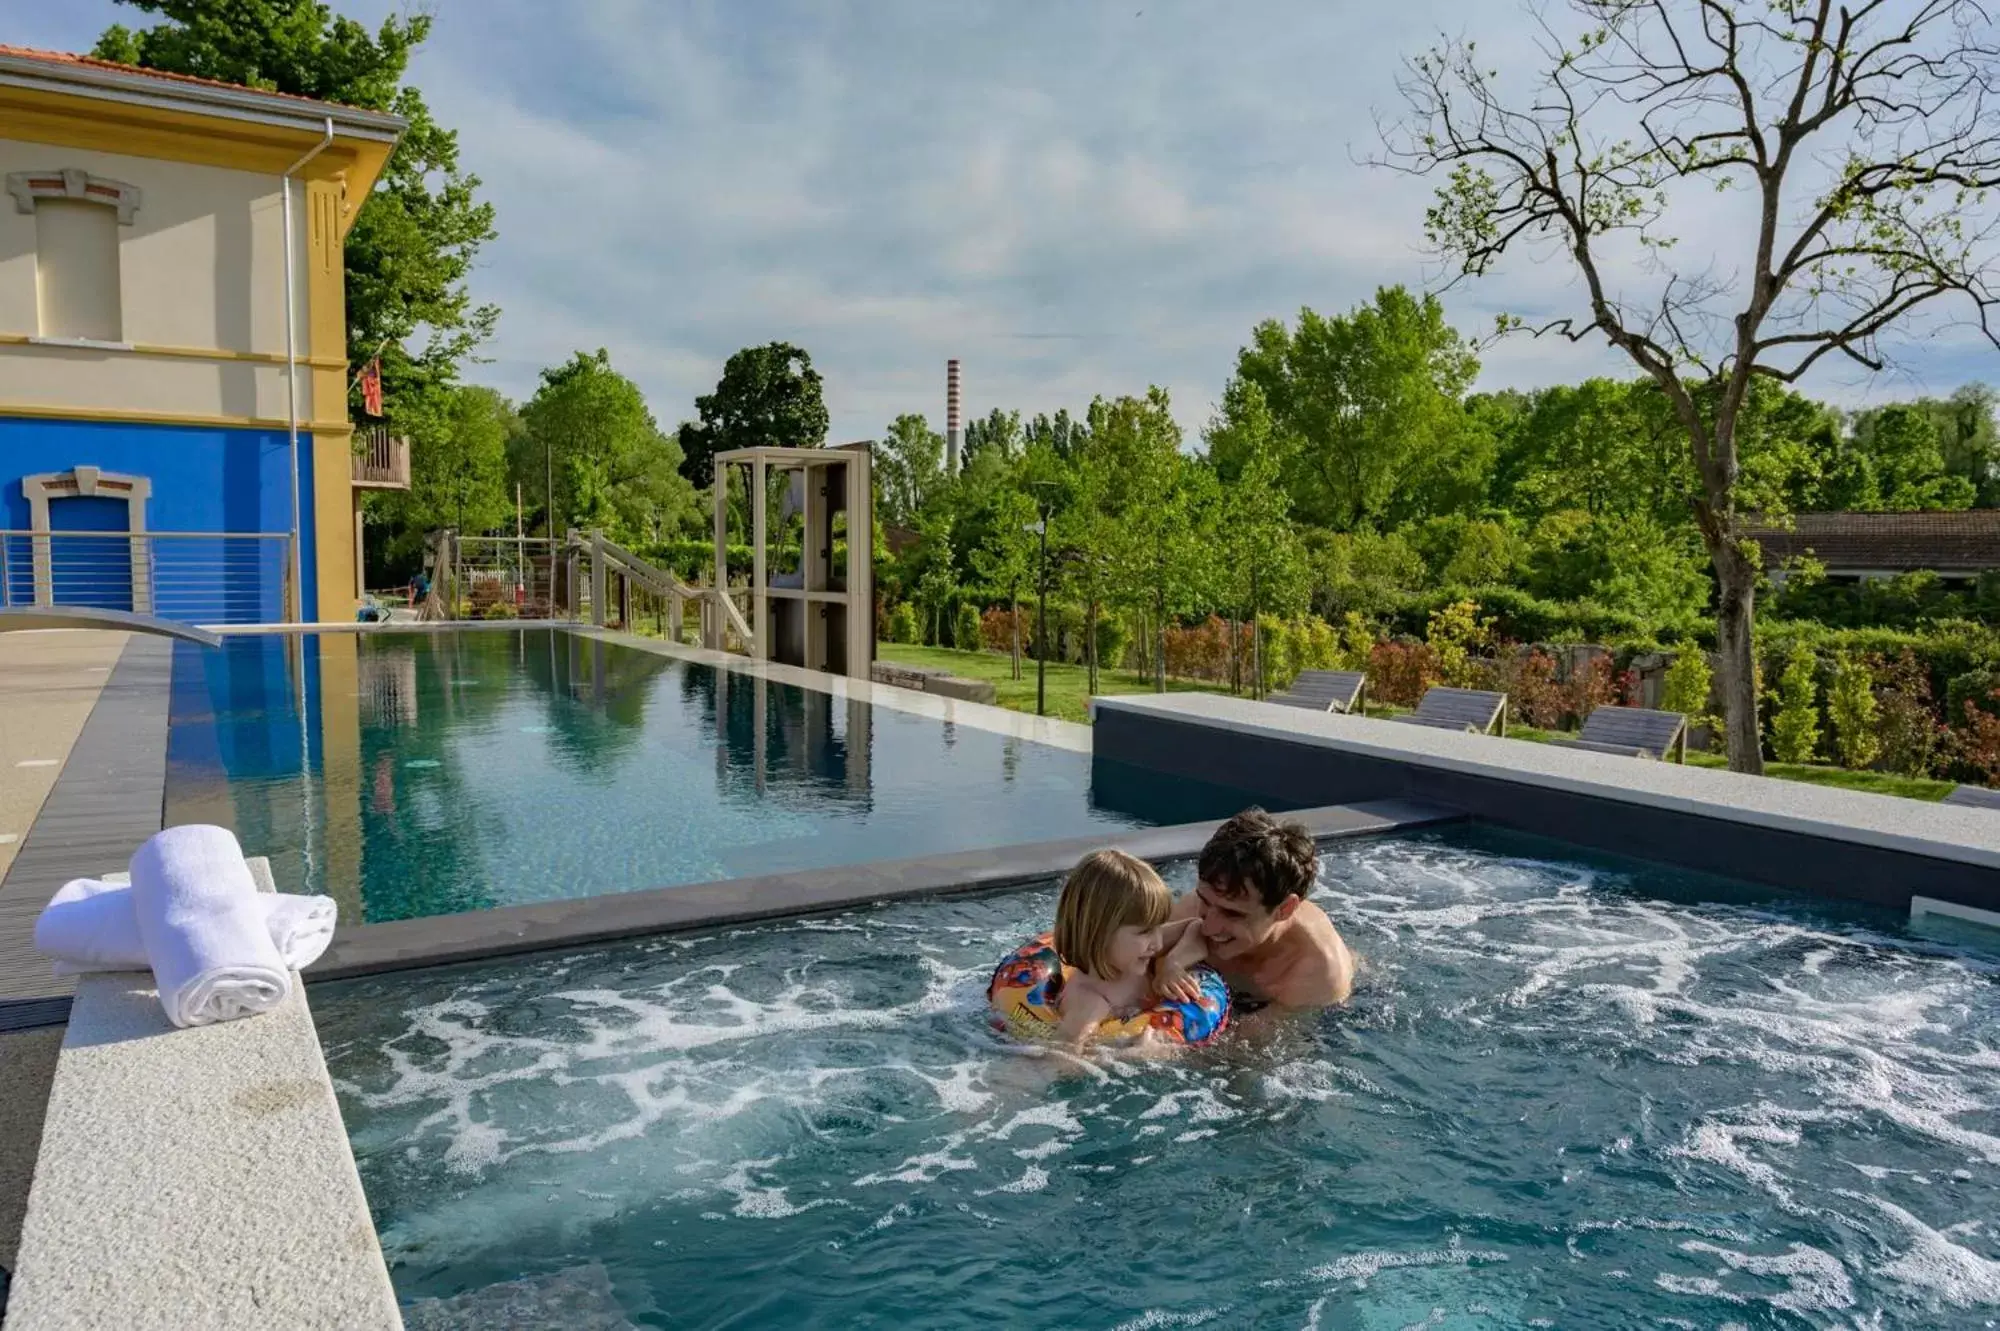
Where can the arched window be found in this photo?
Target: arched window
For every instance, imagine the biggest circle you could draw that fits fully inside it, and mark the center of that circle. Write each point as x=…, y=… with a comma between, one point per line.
x=77, y=216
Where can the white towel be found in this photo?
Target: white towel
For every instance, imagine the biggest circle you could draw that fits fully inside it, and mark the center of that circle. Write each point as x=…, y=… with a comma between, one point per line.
x=89, y=925
x=212, y=956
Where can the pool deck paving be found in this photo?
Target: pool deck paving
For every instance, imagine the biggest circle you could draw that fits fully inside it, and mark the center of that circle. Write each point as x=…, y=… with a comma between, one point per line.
x=102, y=738
x=196, y=1178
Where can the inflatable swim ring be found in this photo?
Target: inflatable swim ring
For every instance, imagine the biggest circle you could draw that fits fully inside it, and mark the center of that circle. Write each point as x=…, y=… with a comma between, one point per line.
x=1026, y=996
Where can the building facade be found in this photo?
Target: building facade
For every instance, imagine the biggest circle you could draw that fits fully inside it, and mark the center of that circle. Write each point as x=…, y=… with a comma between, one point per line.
x=174, y=434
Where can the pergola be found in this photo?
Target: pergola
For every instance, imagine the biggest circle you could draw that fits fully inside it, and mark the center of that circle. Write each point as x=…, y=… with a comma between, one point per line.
x=819, y=616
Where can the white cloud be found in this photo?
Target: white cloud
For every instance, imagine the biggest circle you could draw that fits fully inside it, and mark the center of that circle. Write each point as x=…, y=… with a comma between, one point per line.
x=1072, y=198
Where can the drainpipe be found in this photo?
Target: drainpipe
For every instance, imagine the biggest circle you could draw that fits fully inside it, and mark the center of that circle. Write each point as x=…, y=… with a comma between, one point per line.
x=292, y=376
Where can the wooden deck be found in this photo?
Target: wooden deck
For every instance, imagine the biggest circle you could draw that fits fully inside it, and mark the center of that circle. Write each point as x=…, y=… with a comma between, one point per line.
x=107, y=801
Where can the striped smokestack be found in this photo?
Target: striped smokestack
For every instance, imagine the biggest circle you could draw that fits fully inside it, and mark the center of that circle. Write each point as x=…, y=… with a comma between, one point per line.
x=954, y=424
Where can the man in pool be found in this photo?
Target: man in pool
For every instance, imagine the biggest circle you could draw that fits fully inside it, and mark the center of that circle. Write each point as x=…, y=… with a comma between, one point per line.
x=1255, y=925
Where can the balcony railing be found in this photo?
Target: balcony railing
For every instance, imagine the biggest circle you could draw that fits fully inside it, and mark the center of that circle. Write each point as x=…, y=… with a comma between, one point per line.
x=383, y=460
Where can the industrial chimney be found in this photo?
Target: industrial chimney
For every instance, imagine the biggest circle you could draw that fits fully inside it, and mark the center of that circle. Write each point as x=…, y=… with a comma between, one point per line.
x=954, y=423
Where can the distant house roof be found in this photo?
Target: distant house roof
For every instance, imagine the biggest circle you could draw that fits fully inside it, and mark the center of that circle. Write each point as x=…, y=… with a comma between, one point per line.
x=1967, y=542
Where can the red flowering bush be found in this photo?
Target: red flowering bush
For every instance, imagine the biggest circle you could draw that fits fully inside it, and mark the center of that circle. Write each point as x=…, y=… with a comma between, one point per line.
x=1399, y=672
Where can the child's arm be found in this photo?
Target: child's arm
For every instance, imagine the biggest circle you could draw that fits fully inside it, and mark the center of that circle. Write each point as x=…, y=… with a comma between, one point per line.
x=1173, y=969
x=1082, y=1009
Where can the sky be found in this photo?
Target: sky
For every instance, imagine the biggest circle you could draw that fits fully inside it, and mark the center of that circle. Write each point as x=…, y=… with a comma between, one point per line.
x=1073, y=197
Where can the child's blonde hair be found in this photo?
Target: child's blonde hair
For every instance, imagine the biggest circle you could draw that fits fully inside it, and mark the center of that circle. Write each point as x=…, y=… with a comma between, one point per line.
x=1107, y=891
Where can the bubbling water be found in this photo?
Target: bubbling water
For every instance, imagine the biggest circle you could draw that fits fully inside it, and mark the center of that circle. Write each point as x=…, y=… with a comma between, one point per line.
x=1566, y=1093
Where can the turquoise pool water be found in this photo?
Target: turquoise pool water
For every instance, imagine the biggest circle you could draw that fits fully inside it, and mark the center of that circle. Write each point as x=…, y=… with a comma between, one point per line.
x=1568, y=1093
x=429, y=773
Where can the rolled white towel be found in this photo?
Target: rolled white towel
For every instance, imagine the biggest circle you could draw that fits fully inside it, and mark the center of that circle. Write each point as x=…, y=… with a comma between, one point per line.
x=211, y=954
x=89, y=925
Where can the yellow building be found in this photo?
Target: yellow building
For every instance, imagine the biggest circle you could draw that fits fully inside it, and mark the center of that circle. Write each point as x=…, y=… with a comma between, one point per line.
x=151, y=380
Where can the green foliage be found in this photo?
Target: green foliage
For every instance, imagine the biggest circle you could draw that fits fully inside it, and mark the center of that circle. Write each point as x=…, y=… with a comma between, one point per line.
x=1795, y=708
x=1366, y=408
x=1454, y=633
x=1900, y=464
x=909, y=469
x=1687, y=686
x=1850, y=706
x=590, y=434
x=1974, y=687
x=903, y=625
x=965, y=628
x=768, y=396
x=1114, y=639
x=458, y=469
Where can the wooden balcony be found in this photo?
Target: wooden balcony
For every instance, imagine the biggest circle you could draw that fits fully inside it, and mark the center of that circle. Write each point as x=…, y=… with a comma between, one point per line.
x=381, y=460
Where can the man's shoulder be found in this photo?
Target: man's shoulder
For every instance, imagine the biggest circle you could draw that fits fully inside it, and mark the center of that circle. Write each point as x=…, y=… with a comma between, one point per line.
x=1321, y=968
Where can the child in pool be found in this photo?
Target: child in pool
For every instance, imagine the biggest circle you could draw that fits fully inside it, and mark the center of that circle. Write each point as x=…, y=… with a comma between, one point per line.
x=1111, y=924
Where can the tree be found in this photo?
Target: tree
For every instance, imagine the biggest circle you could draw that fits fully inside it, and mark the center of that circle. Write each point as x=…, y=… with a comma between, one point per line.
x=909, y=469
x=1006, y=557
x=413, y=244
x=458, y=470
x=995, y=439
x=1368, y=407
x=768, y=396
x=1969, y=437
x=592, y=439
x=1156, y=504
x=1864, y=138
x=1903, y=459
x=1260, y=562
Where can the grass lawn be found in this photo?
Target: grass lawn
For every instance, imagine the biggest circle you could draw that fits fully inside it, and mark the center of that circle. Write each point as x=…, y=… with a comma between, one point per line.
x=1068, y=695
x=1068, y=684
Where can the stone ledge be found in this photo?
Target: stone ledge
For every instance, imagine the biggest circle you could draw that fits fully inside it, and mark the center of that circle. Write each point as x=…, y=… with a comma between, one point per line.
x=195, y=1178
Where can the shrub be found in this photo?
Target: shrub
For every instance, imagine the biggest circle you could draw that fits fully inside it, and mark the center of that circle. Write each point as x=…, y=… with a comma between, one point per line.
x=1452, y=633
x=1529, y=681
x=1356, y=642
x=499, y=610
x=1976, y=738
x=1907, y=727
x=1593, y=683
x=1399, y=672
x=1850, y=706
x=1795, y=711
x=903, y=624
x=1975, y=687
x=996, y=630
x=966, y=632
x=1688, y=684
x=1114, y=637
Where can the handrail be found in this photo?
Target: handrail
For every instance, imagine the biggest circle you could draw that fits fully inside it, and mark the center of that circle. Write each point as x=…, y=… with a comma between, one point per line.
x=665, y=583
x=148, y=535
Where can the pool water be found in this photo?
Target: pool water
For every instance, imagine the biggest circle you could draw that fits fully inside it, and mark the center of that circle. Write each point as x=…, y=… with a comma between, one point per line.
x=454, y=771
x=1568, y=1093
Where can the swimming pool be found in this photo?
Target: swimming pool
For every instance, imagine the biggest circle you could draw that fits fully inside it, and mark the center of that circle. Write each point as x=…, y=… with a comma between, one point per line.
x=430, y=773
x=1569, y=1093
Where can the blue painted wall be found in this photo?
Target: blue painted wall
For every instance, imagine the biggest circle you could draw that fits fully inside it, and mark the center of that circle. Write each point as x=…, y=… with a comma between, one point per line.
x=203, y=479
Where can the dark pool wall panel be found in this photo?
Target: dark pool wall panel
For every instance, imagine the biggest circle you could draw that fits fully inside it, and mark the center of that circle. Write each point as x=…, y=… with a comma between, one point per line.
x=1292, y=774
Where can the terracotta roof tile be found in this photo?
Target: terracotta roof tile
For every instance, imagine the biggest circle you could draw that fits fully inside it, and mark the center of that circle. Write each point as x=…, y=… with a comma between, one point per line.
x=1901, y=542
x=92, y=62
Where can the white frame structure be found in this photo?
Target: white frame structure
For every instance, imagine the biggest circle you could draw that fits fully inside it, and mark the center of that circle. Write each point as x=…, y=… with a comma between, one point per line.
x=855, y=598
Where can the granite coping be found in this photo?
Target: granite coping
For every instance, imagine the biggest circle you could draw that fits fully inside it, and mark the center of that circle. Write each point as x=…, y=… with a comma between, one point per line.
x=1889, y=822
x=977, y=715
x=196, y=1178
x=439, y=940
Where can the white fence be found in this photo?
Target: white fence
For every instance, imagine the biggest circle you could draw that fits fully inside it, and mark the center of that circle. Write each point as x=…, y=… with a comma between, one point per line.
x=194, y=577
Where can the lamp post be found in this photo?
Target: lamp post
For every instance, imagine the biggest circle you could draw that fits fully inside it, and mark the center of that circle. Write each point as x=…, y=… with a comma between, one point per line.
x=1040, y=527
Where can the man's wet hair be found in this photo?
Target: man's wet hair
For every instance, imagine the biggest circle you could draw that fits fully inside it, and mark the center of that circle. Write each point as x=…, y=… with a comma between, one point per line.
x=1255, y=854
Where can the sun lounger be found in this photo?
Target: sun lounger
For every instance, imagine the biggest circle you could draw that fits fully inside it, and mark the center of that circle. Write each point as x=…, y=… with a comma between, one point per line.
x=1636, y=732
x=1325, y=691
x=1474, y=710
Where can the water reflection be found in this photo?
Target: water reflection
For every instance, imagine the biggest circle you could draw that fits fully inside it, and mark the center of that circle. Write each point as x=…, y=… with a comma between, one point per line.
x=425, y=773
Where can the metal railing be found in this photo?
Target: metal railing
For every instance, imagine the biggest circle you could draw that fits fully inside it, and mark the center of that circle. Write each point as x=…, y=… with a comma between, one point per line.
x=382, y=462
x=194, y=577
